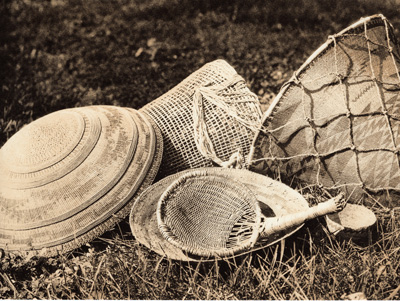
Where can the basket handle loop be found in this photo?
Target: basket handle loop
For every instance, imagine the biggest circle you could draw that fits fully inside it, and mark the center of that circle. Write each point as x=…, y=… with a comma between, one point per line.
x=216, y=95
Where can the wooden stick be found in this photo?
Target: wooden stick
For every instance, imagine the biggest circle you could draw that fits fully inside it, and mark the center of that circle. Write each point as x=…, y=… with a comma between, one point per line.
x=276, y=224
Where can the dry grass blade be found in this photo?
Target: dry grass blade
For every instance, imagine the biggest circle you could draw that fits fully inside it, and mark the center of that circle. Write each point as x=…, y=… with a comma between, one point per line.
x=394, y=293
x=94, y=284
x=10, y=284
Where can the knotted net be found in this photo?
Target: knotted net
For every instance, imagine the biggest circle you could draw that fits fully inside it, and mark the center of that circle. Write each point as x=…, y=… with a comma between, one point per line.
x=336, y=123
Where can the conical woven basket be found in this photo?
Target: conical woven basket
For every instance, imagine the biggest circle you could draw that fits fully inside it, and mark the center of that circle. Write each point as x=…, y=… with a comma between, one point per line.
x=273, y=197
x=336, y=122
x=69, y=176
x=206, y=119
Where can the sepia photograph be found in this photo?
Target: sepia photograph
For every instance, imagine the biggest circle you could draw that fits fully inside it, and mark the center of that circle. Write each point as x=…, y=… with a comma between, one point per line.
x=199, y=150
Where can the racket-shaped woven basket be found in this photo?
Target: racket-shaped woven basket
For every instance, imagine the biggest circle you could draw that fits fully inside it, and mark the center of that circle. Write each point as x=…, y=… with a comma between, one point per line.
x=209, y=118
x=210, y=216
x=214, y=213
x=69, y=176
x=336, y=122
x=274, y=200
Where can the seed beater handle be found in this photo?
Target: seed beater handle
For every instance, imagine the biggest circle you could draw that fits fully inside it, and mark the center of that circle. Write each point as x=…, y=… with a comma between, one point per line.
x=276, y=224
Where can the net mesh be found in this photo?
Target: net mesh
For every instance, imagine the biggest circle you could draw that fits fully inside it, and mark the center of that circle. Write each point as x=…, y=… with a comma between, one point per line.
x=208, y=215
x=336, y=122
x=205, y=119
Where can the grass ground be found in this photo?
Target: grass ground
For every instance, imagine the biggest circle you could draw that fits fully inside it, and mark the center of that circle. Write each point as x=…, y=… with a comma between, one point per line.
x=59, y=54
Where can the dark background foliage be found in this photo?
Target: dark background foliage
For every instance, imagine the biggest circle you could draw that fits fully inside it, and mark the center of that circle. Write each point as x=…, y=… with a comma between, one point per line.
x=59, y=54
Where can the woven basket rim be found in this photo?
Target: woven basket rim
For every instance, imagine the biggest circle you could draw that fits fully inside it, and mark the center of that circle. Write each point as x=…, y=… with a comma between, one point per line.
x=139, y=174
x=144, y=224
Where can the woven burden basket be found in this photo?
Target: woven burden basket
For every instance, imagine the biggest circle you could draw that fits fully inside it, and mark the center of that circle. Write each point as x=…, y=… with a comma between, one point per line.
x=336, y=122
x=71, y=175
x=274, y=200
x=210, y=117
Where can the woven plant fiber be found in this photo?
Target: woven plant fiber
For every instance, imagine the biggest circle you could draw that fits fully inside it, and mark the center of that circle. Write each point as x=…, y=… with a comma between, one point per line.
x=69, y=176
x=336, y=123
x=201, y=214
x=273, y=199
x=210, y=216
x=206, y=119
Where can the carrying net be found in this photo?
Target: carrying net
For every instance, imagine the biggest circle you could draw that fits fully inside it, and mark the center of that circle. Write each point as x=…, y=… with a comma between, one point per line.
x=336, y=123
x=210, y=118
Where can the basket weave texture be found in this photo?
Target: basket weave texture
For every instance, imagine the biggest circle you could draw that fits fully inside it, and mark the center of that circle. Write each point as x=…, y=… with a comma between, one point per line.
x=201, y=214
x=205, y=119
x=336, y=122
x=69, y=176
